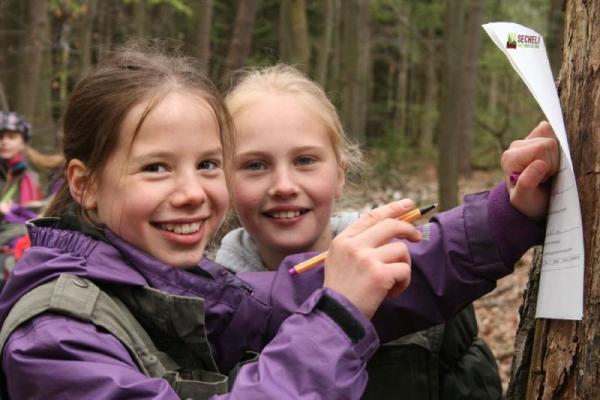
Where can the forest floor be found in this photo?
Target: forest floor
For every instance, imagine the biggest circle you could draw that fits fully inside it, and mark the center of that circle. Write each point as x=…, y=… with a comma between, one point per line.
x=498, y=311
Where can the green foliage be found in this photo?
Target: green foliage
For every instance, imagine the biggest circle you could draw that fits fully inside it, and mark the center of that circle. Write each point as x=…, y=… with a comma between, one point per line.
x=179, y=5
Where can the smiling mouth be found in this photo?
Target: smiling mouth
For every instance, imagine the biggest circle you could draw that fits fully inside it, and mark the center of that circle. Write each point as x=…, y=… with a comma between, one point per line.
x=285, y=214
x=181, y=229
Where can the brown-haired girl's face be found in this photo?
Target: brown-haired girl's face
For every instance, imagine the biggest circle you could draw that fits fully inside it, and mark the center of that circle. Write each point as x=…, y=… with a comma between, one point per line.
x=285, y=177
x=165, y=192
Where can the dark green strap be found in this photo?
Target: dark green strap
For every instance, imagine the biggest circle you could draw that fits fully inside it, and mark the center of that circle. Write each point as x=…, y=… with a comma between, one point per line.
x=82, y=299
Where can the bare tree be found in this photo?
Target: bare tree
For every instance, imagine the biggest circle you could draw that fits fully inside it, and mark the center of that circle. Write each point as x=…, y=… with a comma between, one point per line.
x=469, y=92
x=204, y=12
x=241, y=39
x=325, y=42
x=299, y=48
x=564, y=354
x=355, y=67
x=33, y=58
x=86, y=27
x=449, y=123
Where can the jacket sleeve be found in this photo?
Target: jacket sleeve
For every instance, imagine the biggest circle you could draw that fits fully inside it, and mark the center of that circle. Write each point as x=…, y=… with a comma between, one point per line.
x=319, y=352
x=463, y=253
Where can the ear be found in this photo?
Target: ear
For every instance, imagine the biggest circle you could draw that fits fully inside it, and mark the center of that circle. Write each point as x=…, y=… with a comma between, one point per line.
x=81, y=185
x=339, y=190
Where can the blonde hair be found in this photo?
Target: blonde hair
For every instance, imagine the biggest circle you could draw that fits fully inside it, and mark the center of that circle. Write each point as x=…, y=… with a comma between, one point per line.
x=285, y=79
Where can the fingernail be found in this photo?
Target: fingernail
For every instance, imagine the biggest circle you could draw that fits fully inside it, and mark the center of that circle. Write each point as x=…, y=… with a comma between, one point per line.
x=513, y=178
x=405, y=203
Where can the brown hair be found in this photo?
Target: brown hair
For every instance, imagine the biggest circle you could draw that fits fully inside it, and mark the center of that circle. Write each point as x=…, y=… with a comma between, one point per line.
x=99, y=103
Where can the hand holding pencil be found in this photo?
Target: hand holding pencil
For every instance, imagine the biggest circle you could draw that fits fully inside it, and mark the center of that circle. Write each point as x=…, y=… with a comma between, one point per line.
x=365, y=264
x=318, y=259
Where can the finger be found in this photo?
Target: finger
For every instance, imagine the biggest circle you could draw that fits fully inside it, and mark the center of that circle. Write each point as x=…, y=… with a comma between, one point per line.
x=385, y=231
x=392, y=252
x=516, y=159
x=402, y=274
x=543, y=129
x=535, y=174
x=390, y=210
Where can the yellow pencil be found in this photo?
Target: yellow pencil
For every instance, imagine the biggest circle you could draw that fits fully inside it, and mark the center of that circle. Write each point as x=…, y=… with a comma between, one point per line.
x=318, y=259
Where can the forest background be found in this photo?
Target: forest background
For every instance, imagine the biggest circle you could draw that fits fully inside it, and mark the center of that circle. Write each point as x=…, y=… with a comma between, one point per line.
x=417, y=83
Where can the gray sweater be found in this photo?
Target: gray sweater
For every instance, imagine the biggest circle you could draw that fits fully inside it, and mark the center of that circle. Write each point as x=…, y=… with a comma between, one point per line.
x=239, y=253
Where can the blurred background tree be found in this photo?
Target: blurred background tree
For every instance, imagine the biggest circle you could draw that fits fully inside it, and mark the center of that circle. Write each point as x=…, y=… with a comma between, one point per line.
x=414, y=81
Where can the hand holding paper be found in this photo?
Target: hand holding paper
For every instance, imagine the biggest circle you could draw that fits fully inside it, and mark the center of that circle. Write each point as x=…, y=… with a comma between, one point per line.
x=561, y=283
x=534, y=160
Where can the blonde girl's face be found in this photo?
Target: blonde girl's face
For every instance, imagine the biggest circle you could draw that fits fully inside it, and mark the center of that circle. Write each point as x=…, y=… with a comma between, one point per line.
x=165, y=193
x=286, y=177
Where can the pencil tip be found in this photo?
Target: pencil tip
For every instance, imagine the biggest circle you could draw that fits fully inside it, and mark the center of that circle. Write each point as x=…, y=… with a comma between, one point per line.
x=292, y=271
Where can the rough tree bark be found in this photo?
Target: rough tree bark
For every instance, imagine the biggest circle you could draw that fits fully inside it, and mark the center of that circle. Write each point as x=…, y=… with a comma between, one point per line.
x=565, y=354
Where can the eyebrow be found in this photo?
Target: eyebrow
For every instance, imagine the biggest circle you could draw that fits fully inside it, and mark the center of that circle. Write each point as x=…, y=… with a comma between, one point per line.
x=214, y=152
x=255, y=153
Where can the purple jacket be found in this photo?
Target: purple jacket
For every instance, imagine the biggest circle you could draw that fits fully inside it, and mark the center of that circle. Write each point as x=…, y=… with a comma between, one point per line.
x=305, y=354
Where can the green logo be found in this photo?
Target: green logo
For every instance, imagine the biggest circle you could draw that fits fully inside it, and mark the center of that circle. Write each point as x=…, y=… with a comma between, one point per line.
x=511, y=43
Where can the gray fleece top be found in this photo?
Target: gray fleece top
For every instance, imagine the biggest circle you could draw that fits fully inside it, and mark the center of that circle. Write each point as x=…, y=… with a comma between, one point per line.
x=239, y=253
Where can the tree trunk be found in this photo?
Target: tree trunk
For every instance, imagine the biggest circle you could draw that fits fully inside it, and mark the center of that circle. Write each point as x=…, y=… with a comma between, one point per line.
x=324, y=50
x=139, y=18
x=241, y=39
x=564, y=362
x=448, y=126
x=299, y=51
x=355, y=68
x=469, y=93
x=65, y=55
x=429, y=114
x=32, y=60
x=401, y=100
x=204, y=12
x=86, y=28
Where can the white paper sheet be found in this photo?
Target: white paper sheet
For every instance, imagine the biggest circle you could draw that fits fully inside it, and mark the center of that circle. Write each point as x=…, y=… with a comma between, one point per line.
x=561, y=283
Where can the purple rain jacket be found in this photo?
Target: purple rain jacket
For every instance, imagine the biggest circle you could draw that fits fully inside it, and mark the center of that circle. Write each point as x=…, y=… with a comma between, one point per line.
x=305, y=354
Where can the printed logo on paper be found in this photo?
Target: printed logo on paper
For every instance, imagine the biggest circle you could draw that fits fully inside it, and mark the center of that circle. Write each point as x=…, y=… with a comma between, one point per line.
x=522, y=41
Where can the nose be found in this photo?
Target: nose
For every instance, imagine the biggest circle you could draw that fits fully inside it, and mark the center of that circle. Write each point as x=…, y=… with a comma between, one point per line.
x=188, y=191
x=284, y=184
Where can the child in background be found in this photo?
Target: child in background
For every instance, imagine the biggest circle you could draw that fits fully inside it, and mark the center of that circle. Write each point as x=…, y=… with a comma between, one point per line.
x=289, y=169
x=19, y=189
x=18, y=186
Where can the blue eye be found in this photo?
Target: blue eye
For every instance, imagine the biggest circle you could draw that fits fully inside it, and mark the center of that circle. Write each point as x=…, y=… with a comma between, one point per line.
x=156, y=167
x=305, y=160
x=255, y=166
x=209, y=164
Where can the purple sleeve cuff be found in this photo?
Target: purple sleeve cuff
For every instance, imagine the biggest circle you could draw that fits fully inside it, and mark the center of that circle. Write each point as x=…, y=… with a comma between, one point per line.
x=513, y=232
x=365, y=344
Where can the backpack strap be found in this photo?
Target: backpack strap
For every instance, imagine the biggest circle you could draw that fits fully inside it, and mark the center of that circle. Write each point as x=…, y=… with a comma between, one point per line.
x=80, y=298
